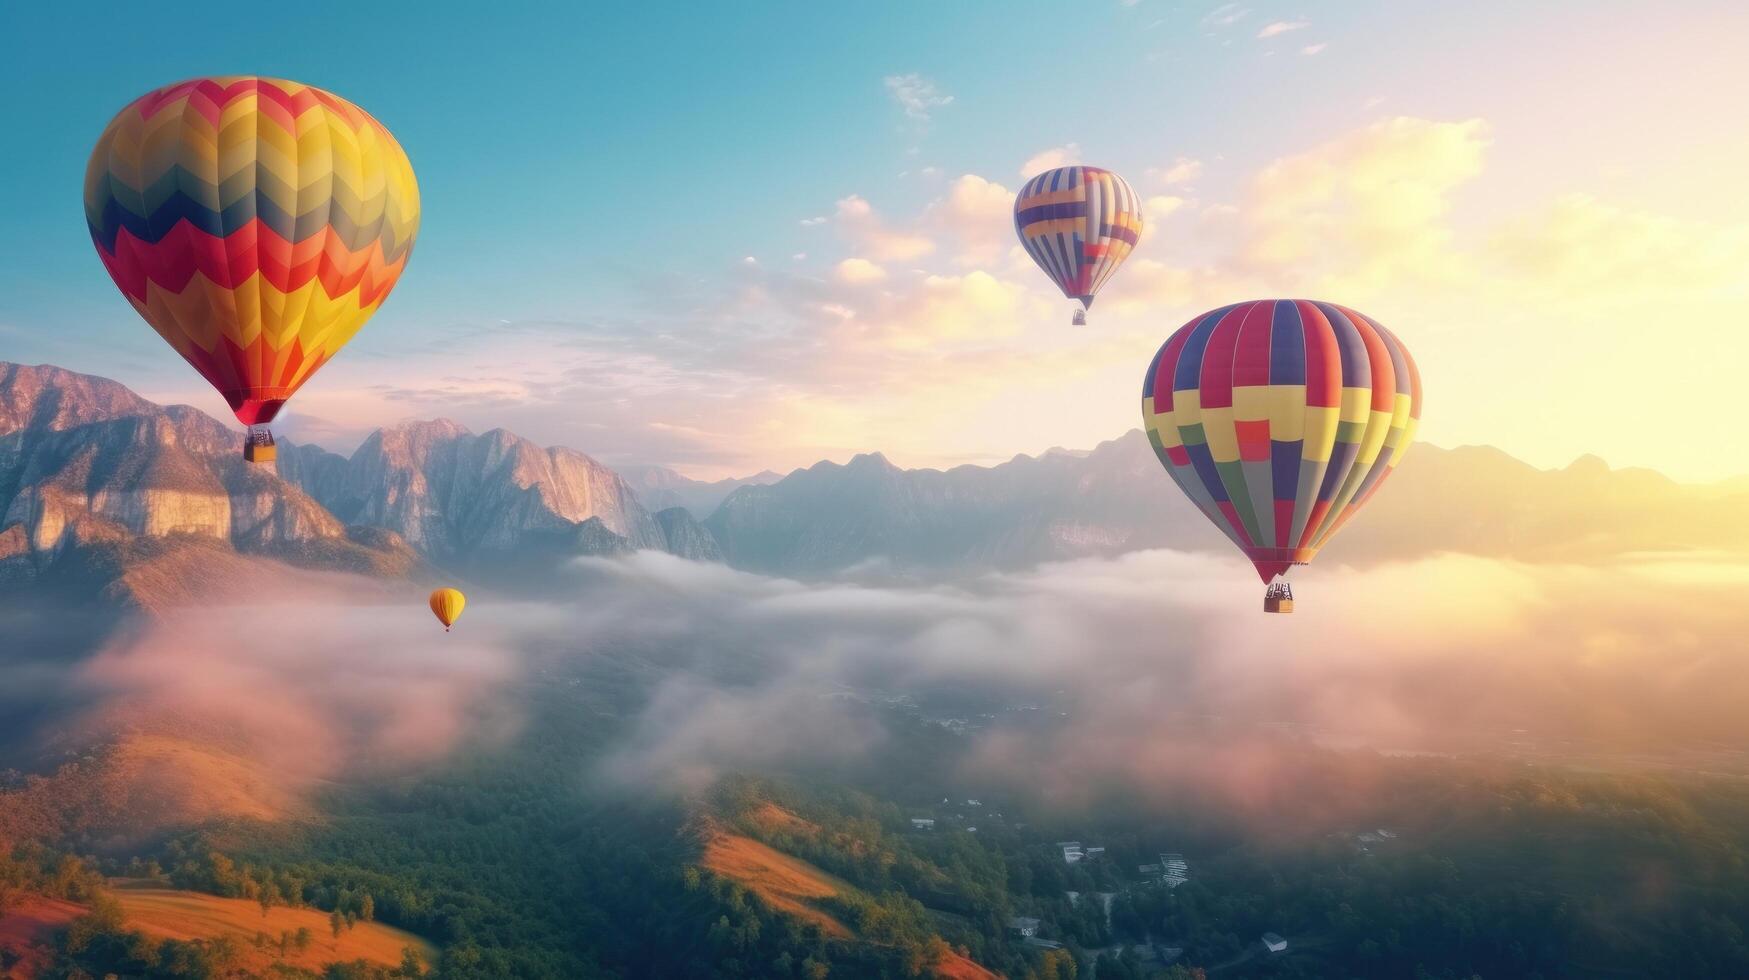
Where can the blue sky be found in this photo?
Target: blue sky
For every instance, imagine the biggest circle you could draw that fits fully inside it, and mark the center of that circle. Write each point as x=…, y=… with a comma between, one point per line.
x=594, y=177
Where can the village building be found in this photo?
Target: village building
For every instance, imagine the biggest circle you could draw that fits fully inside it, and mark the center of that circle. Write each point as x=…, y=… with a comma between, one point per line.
x=1174, y=870
x=1037, y=943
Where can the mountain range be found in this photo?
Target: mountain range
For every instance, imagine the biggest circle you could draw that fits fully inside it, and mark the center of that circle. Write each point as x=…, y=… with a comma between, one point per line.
x=103, y=491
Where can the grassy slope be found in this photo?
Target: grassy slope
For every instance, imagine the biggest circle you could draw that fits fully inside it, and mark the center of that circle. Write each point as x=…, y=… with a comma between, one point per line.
x=170, y=914
x=143, y=784
x=784, y=882
x=792, y=885
x=26, y=928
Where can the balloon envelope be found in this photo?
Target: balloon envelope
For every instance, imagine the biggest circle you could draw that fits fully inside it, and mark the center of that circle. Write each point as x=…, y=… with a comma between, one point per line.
x=446, y=605
x=1078, y=224
x=255, y=223
x=1280, y=419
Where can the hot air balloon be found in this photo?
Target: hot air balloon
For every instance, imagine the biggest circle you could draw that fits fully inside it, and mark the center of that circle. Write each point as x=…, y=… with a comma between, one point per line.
x=1078, y=224
x=446, y=605
x=256, y=224
x=1279, y=419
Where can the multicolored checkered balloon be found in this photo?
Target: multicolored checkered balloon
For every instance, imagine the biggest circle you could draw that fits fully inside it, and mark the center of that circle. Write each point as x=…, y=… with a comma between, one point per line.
x=1280, y=419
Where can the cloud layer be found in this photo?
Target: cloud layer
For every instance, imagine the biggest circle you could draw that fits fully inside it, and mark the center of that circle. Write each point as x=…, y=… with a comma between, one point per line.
x=1450, y=654
x=315, y=683
x=1125, y=670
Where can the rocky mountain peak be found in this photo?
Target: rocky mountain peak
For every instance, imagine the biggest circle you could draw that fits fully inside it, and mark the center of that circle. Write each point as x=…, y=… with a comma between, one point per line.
x=87, y=464
x=462, y=497
x=870, y=461
x=43, y=398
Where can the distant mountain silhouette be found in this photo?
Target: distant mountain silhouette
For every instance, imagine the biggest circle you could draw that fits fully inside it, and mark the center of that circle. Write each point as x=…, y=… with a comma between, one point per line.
x=661, y=488
x=102, y=491
x=1474, y=499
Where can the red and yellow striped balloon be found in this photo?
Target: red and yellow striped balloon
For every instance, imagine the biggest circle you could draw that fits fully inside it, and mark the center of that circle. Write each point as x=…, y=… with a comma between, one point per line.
x=1279, y=419
x=255, y=223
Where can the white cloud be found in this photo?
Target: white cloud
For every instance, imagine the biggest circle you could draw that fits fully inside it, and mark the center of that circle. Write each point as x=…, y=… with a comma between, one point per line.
x=1367, y=207
x=1580, y=245
x=978, y=213
x=857, y=219
x=1179, y=171
x=1161, y=205
x=859, y=270
x=1056, y=156
x=1274, y=28
x=937, y=311
x=1312, y=49
x=813, y=222
x=917, y=95
x=1225, y=15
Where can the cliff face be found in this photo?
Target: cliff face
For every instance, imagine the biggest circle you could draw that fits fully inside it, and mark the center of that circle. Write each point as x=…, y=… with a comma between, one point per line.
x=86, y=464
x=458, y=496
x=686, y=537
x=152, y=476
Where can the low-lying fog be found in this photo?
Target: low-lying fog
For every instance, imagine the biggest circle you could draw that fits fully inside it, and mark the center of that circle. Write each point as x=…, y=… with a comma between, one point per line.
x=1107, y=661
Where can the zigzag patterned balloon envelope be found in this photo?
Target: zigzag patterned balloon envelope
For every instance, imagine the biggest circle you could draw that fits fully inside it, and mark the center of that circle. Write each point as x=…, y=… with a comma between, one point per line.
x=1078, y=224
x=1280, y=419
x=255, y=223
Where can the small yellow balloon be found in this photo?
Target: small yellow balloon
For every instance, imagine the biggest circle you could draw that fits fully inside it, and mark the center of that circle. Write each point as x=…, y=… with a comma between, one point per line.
x=446, y=605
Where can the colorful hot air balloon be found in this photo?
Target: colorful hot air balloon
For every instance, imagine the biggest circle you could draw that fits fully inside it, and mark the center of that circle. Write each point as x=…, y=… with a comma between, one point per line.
x=256, y=224
x=1279, y=419
x=446, y=605
x=1078, y=224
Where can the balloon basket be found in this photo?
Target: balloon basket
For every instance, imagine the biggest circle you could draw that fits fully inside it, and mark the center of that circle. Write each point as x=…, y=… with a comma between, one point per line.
x=1079, y=319
x=1279, y=599
x=258, y=446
